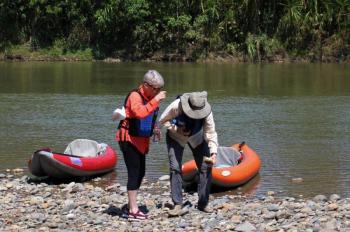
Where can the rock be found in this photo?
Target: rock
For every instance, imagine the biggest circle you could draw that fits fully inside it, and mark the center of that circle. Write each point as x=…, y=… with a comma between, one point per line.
x=112, y=60
x=147, y=228
x=36, y=200
x=273, y=207
x=40, y=217
x=70, y=216
x=332, y=206
x=306, y=210
x=113, y=187
x=68, y=205
x=334, y=197
x=346, y=207
x=45, y=206
x=219, y=203
x=320, y=198
x=269, y=215
x=9, y=185
x=270, y=193
x=123, y=189
x=52, y=225
x=15, y=228
x=297, y=180
x=331, y=225
x=245, y=227
x=164, y=178
x=236, y=219
x=43, y=228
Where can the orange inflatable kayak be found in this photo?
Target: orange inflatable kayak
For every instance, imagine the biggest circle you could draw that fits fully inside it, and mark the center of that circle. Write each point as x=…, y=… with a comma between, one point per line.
x=235, y=166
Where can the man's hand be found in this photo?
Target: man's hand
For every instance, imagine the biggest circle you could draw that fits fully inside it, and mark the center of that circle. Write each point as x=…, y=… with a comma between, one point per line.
x=210, y=160
x=157, y=133
x=182, y=130
x=213, y=157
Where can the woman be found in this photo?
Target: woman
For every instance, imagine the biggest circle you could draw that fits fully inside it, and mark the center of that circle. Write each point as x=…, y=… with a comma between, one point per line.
x=134, y=132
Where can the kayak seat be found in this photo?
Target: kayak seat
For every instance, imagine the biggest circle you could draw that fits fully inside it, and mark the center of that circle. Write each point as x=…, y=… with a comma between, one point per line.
x=85, y=148
x=227, y=157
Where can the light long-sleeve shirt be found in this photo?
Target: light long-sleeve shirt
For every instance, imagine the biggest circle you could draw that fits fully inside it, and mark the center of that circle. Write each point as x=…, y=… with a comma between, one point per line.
x=208, y=132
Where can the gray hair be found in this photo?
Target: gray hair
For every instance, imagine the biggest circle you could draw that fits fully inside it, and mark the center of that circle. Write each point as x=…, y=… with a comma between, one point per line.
x=154, y=78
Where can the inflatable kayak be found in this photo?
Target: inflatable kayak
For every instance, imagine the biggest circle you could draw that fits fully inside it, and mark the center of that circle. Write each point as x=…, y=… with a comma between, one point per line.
x=82, y=158
x=235, y=166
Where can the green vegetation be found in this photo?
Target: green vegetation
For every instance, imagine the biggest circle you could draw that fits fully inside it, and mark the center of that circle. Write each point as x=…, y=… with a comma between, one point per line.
x=176, y=30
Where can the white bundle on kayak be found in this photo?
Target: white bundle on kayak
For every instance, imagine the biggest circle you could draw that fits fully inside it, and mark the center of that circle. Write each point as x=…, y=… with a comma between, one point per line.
x=227, y=157
x=119, y=114
x=85, y=148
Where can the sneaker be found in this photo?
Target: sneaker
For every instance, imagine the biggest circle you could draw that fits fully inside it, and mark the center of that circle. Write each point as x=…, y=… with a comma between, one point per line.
x=206, y=209
x=177, y=211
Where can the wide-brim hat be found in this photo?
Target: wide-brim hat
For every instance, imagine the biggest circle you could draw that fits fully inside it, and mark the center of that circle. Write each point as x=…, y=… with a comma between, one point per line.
x=195, y=105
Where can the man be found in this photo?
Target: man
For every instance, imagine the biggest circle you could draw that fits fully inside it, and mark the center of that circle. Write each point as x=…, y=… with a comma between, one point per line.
x=189, y=120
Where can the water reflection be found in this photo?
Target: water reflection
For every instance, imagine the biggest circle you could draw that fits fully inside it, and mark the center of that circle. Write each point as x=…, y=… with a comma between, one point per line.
x=296, y=116
x=220, y=80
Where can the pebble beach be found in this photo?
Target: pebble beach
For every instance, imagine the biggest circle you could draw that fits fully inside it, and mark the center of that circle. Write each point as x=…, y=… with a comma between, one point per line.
x=38, y=206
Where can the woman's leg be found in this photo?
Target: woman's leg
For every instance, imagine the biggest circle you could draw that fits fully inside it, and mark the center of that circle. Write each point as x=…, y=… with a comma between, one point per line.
x=135, y=164
x=132, y=201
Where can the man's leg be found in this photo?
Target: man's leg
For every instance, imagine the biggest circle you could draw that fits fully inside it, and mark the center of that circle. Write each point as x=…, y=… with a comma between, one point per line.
x=204, y=173
x=175, y=152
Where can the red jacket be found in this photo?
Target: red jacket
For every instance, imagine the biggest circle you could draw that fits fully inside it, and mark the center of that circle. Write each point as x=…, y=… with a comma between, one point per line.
x=135, y=108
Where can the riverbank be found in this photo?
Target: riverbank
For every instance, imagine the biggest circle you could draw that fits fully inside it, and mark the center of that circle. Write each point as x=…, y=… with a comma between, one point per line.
x=24, y=53
x=211, y=58
x=38, y=206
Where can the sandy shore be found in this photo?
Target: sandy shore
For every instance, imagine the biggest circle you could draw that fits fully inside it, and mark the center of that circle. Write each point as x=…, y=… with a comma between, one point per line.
x=38, y=206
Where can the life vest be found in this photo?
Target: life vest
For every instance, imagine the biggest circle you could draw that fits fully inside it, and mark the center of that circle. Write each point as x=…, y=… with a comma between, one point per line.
x=140, y=127
x=191, y=125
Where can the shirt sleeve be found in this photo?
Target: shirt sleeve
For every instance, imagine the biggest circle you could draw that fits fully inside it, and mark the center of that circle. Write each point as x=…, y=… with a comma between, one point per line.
x=137, y=107
x=172, y=111
x=210, y=134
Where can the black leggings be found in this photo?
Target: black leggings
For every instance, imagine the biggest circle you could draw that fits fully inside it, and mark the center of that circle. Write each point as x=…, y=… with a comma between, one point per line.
x=135, y=163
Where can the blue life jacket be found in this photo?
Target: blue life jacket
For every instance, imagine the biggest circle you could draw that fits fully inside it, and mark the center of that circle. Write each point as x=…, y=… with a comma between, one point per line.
x=140, y=127
x=191, y=125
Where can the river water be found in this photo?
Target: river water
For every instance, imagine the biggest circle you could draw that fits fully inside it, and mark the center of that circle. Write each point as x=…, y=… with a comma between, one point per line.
x=296, y=116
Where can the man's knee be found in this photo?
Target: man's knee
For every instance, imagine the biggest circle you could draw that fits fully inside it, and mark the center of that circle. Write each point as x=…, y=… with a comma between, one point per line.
x=174, y=164
x=175, y=170
x=205, y=168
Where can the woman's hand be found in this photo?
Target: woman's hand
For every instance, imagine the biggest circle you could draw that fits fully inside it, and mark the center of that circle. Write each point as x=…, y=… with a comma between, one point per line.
x=160, y=96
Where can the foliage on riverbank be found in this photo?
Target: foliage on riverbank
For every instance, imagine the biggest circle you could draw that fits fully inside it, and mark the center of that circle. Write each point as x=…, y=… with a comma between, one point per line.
x=55, y=53
x=238, y=31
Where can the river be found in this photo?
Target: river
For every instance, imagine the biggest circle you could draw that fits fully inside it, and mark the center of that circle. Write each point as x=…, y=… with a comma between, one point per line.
x=296, y=116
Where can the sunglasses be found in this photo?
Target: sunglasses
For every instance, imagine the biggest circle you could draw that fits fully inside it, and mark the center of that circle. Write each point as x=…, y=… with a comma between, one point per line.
x=154, y=88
